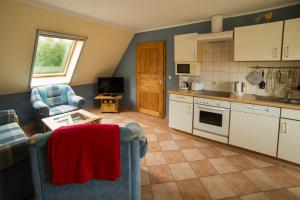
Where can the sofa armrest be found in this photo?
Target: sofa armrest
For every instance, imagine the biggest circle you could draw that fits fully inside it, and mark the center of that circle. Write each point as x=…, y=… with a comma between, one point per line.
x=138, y=133
x=76, y=101
x=41, y=108
x=8, y=116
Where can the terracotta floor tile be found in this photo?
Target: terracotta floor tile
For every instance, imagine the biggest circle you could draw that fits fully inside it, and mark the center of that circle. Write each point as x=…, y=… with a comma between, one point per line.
x=282, y=194
x=178, y=136
x=200, y=144
x=240, y=162
x=166, y=191
x=281, y=176
x=222, y=165
x=258, y=162
x=295, y=191
x=192, y=154
x=160, y=174
x=163, y=136
x=144, y=176
x=182, y=171
x=185, y=144
x=192, y=189
x=146, y=192
x=168, y=145
x=232, y=198
x=151, y=137
x=153, y=147
x=292, y=172
x=174, y=156
x=240, y=183
x=143, y=162
x=261, y=180
x=155, y=158
x=148, y=130
x=217, y=187
x=255, y=196
x=203, y=168
x=210, y=152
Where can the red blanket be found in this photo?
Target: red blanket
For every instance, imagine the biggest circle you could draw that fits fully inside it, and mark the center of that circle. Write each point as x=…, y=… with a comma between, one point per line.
x=80, y=153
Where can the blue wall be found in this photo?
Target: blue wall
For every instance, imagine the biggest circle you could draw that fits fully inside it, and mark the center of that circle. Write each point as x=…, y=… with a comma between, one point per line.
x=126, y=67
x=21, y=101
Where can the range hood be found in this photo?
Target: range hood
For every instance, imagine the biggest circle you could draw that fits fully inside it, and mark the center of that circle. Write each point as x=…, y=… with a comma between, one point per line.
x=217, y=34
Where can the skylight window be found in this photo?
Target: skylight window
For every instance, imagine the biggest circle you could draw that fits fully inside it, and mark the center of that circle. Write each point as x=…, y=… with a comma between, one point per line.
x=55, y=58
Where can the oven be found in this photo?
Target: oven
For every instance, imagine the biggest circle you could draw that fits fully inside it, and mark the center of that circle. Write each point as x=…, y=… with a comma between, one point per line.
x=212, y=116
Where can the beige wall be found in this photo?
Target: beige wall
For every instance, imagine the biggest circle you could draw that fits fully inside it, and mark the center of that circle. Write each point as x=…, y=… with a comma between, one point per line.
x=18, y=24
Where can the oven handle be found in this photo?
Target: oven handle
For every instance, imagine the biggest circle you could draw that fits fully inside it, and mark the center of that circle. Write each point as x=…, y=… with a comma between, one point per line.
x=212, y=108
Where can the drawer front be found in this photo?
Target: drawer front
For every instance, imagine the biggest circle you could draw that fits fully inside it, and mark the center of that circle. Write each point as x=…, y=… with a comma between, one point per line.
x=290, y=114
x=108, y=107
x=182, y=98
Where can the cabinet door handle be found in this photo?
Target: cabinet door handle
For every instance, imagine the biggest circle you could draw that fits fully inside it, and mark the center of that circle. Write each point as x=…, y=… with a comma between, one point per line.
x=275, y=52
x=286, y=51
x=283, y=128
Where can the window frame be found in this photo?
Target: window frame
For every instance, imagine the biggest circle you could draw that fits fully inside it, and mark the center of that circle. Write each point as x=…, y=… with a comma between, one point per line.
x=75, y=38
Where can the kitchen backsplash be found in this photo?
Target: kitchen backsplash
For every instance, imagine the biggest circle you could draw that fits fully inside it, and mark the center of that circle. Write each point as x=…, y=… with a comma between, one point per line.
x=219, y=71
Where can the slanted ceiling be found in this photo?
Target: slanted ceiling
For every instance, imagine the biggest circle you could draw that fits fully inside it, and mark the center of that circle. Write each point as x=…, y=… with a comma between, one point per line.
x=19, y=22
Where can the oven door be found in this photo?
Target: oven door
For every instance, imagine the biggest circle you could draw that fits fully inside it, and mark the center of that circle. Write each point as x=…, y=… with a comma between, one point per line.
x=211, y=119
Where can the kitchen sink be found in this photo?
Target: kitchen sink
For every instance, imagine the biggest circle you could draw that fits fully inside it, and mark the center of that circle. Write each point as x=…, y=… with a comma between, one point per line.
x=269, y=98
x=293, y=101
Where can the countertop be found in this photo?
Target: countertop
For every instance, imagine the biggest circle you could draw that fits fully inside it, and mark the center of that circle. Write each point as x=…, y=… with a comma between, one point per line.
x=247, y=98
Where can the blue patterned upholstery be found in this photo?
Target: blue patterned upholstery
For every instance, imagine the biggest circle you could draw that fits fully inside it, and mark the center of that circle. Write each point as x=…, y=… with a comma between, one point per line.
x=126, y=187
x=15, y=174
x=53, y=100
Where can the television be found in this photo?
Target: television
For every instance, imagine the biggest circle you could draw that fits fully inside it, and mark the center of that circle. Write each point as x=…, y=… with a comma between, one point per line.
x=111, y=85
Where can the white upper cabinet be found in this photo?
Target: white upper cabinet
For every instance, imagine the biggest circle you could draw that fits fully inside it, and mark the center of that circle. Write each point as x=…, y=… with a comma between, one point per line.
x=291, y=40
x=185, y=47
x=258, y=42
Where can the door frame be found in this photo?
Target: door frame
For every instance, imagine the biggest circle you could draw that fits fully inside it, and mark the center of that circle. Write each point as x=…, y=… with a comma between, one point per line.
x=163, y=114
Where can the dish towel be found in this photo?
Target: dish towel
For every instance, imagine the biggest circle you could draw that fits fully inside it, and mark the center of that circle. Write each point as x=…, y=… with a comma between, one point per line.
x=83, y=152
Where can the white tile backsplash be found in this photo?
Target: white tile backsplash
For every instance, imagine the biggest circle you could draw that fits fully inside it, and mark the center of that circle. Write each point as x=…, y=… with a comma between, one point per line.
x=219, y=71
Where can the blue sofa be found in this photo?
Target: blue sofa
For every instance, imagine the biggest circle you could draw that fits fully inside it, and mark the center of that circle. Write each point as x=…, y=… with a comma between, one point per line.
x=15, y=174
x=127, y=187
x=54, y=100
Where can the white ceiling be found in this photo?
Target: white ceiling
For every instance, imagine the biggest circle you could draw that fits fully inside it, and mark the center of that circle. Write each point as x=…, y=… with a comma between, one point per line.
x=140, y=15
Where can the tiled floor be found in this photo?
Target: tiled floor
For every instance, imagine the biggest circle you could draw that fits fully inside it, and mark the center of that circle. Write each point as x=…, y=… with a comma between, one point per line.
x=179, y=166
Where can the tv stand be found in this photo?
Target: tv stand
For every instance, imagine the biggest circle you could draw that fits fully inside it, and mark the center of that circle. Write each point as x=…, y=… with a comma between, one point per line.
x=109, y=103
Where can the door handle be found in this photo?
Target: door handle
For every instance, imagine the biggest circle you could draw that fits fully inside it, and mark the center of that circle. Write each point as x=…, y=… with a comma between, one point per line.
x=275, y=52
x=286, y=51
x=160, y=82
x=283, y=128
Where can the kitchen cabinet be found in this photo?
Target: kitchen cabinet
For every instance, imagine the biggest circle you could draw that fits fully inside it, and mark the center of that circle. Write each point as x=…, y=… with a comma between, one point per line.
x=181, y=112
x=289, y=136
x=254, y=127
x=260, y=42
x=185, y=47
x=291, y=40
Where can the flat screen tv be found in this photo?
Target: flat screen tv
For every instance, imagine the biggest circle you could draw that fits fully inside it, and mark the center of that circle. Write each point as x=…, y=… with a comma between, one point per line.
x=111, y=85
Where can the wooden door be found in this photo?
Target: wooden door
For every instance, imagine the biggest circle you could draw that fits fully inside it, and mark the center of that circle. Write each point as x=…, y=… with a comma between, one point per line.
x=150, y=78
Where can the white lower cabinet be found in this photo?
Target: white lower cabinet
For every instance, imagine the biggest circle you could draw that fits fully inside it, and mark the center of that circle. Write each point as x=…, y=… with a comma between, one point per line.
x=181, y=113
x=289, y=137
x=251, y=128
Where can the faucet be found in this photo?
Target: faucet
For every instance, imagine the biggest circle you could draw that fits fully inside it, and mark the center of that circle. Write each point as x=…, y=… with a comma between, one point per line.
x=286, y=94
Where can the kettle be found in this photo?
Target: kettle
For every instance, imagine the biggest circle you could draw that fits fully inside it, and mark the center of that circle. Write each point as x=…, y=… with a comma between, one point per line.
x=239, y=88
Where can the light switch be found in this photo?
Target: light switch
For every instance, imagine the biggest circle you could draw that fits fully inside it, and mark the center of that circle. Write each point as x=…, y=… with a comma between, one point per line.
x=170, y=77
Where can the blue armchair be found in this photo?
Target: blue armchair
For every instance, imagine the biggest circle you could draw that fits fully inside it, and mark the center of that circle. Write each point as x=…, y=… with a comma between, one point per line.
x=53, y=100
x=126, y=187
x=15, y=173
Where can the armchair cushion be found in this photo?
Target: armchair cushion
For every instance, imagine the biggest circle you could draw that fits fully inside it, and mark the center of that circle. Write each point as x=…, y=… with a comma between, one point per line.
x=61, y=109
x=7, y=116
x=13, y=144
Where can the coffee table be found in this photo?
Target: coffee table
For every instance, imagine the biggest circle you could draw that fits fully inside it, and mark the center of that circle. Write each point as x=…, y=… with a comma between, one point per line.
x=75, y=117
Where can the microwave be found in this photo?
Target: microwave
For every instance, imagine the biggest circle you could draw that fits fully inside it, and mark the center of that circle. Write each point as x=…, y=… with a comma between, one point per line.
x=187, y=68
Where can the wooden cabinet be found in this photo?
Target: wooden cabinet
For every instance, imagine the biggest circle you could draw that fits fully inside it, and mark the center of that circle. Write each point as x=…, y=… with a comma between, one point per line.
x=185, y=47
x=109, y=103
x=289, y=136
x=291, y=40
x=181, y=113
x=258, y=42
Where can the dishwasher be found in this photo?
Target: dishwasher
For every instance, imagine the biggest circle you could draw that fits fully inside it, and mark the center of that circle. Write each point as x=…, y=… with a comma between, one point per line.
x=254, y=127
